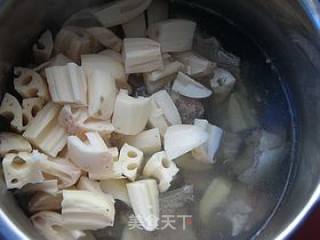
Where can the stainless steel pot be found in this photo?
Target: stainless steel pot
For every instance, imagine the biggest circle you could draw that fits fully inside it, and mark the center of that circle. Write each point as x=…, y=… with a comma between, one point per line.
x=287, y=30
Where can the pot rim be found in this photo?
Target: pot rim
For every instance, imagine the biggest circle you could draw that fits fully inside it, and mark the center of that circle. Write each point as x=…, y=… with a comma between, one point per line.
x=312, y=9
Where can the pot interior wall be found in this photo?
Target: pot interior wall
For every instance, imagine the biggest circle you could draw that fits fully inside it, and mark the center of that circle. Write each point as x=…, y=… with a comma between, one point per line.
x=260, y=32
x=287, y=35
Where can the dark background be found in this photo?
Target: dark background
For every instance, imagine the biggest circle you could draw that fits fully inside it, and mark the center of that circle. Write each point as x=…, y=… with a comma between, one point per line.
x=310, y=229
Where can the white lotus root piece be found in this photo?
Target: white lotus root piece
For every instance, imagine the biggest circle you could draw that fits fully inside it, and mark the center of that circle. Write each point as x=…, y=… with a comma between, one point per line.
x=119, y=12
x=67, y=84
x=117, y=188
x=188, y=87
x=58, y=60
x=115, y=173
x=157, y=119
x=131, y=114
x=105, y=63
x=92, y=155
x=85, y=210
x=174, y=35
x=158, y=11
x=162, y=78
x=11, y=110
x=104, y=128
x=76, y=121
x=181, y=139
x=195, y=65
x=30, y=109
x=136, y=27
x=144, y=198
x=75, y=41
x=102, y=91
x=165, y=103
x=45, y=132
x=148, y=141
x=13, y=143
x=40, y=68
x=112, y=54
x=106, y=38
x=87, y=184
x=51, y=226
x=171, y=68
x=206, y=152
x=41, y=201
x=57, y=168
x=47, y=186
x=214, y=197
x=115, y=153
x=43, y=48
x=222, y=83
x=20, y=169
x=131, y=160
x=29, y=83
x=72, y=119
x=162, y=169
x=141, y=55
x=241, y=114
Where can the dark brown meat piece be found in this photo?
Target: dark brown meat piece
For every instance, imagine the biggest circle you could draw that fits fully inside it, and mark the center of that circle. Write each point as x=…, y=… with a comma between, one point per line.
x=189, y=108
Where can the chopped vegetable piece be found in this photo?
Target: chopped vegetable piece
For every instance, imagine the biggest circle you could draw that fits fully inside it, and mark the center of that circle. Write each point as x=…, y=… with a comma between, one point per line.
x=91, y=156
x=206, y=153
x=11, y=142
x=45, y=132
x=162, y=169
x=67, y=84
x=144, y=198
x=119, y=12
x=131, y=160
x=163, y=100
x=11, y=110
x=181, y=139
x=51, y=226
x=141, y=55
x=148, y=141
x=188, y=87
x=84, y=210
x=28, y=83
x=130, y=114
x=20, y=169
x=117, y=188
x=174, y=35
